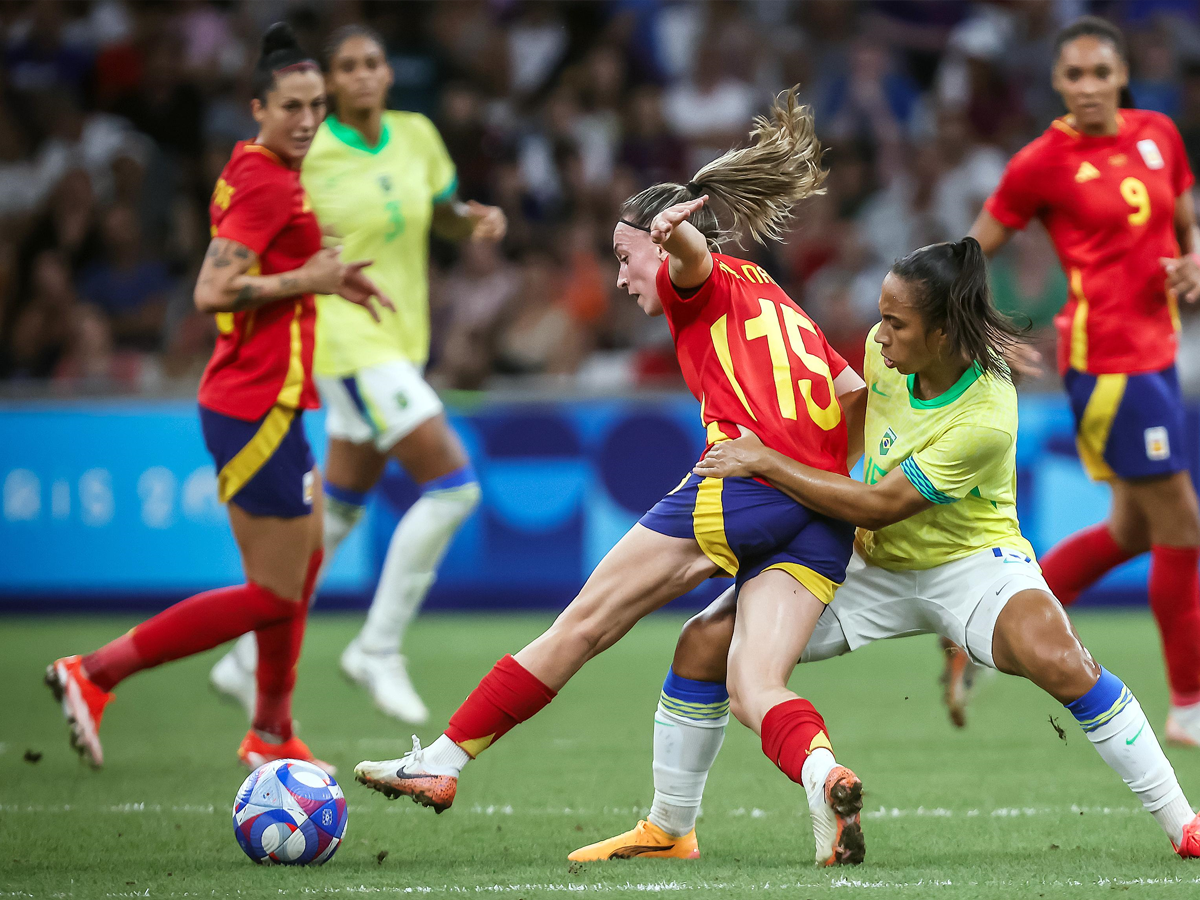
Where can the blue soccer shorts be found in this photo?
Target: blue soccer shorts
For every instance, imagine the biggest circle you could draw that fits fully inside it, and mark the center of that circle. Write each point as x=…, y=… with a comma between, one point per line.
x=747, y=527
x=264, y=466
x=1128, y=426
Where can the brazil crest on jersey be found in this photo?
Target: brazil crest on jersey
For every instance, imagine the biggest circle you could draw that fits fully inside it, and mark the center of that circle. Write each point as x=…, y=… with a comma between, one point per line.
x=959, y=450
x=1108, y=203
x=754, y=360
x=379, y=200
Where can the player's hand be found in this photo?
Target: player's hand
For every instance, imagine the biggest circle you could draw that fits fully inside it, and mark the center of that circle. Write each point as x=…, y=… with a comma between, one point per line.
x=663, y=225
x=488, y=222
x=324, y=271
x=738, y=458
x=359, y=289
x=1024, y=360
x=1183, y=277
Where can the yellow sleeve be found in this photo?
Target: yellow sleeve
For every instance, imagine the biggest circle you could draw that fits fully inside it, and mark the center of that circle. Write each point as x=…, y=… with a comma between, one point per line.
x=443, y=178
x=954, y=464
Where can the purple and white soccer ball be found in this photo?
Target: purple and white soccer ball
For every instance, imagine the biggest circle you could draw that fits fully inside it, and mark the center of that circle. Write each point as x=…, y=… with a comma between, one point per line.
x=290, y=812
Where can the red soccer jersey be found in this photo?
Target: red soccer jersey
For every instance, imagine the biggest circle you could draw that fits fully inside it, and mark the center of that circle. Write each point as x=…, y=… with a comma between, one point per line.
x=263, y=356
x=1109, y=206
x=754, y=360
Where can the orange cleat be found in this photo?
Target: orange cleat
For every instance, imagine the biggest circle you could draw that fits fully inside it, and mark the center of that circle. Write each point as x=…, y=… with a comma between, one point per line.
x=646, y=840
x=255, y=750
x=82, y=704
x=410, y=776
x=1189, y=847
x=843, y=844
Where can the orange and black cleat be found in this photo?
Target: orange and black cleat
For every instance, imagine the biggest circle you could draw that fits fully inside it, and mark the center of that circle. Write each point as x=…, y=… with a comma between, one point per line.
x=645, y=841
x=410, y=776
x=840, y=840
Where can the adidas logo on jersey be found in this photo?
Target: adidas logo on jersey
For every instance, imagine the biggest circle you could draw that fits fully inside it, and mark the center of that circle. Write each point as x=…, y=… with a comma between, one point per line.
x=1086, y=172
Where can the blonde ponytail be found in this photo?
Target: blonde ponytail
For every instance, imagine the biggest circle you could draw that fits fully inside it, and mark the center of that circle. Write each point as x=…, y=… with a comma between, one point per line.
x=758, y=184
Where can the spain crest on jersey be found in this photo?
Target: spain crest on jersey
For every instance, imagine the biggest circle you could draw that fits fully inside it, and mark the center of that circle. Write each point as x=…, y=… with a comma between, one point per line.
x=885, y=444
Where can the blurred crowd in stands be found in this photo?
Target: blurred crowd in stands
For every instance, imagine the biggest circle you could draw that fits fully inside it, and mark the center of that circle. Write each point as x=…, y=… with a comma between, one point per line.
x=117, y=115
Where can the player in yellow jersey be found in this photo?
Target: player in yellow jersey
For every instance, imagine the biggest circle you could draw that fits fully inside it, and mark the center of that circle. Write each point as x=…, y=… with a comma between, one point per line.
x=939, y=549
x=381, y=180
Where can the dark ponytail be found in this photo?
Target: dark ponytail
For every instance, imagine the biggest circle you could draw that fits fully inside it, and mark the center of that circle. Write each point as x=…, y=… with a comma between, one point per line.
x=280, y=51
x=1102, y=29
x=953, y=295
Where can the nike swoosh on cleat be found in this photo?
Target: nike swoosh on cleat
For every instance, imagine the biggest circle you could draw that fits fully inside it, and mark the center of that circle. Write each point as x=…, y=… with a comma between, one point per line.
x=638, y=850
x=412, y=776
x=1136, y=736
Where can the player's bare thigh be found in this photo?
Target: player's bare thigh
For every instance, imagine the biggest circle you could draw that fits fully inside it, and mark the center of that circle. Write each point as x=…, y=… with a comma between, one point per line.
x=275, y=551
x=644, y=571
x=1148, y=511
x=429, y=451
x=775, y=618
x=1035, y=639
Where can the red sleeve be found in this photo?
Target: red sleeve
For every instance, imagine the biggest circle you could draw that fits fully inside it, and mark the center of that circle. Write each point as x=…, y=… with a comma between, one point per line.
x=1016, y=199
x=1181, y=171
x=259, y=208
x=673, y=296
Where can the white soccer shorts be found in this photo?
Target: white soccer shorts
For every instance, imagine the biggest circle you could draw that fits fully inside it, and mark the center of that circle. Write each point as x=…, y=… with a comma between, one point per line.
x=380, y=404
x=959, y=600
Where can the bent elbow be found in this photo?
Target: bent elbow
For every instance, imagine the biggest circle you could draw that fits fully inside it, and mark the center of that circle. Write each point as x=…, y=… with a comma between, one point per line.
x=207, y=300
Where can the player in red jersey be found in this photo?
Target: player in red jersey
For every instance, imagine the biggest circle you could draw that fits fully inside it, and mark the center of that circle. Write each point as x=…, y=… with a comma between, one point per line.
x=259, y=275
x=755, y=361
x=1111, y=186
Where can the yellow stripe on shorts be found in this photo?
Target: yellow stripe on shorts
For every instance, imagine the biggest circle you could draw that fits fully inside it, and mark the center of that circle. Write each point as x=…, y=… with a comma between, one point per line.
x=1097, y=422
x=708, y=524
x=822, y=588
x=245, y=465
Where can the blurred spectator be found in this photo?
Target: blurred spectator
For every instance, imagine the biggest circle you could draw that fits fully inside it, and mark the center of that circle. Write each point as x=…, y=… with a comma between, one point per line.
x=117, y=115
x=129, y=288
x=1027, y=280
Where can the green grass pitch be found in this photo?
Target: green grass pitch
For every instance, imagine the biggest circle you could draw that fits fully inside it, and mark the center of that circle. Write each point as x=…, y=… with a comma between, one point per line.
x=1004, y=809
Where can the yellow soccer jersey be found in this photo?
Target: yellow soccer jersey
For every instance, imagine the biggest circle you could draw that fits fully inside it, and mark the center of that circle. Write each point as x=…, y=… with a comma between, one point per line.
x=380, y=201
x=959, y=450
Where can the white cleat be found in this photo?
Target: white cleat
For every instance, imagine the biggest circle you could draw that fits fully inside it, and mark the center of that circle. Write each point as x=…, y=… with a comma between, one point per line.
x=837, y=830
x=233, y=675
x=1183, y=726
x=410, y=776
x=385, y=677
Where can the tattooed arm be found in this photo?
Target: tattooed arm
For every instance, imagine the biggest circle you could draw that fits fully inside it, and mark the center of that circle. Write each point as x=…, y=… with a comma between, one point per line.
x=224, y=286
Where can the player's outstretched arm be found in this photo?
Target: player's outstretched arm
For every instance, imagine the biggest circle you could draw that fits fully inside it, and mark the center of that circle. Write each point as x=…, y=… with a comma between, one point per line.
x=690, y=262
x=990, y=233
x=871, y=506
x=454, y=220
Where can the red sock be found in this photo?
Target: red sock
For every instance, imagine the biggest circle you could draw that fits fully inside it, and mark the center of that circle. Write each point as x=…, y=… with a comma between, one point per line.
x=1077, y=562
x=790, y=731
x=278, y=652
x=190, y=626
x=507, y=696
x=1175, y=602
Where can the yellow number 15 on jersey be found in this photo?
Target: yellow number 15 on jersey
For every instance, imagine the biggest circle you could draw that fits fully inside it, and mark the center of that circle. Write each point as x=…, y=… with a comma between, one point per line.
x=767, y=325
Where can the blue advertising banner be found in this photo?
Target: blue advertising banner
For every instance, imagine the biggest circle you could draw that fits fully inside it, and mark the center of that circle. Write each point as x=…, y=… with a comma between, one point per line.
x=109, y=504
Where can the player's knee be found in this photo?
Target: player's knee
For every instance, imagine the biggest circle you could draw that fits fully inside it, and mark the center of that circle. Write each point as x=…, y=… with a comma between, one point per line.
x=1064, y=669
x=703, y=646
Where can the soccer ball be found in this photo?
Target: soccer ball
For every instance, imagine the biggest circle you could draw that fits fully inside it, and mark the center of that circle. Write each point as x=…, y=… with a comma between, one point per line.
x=291, y=812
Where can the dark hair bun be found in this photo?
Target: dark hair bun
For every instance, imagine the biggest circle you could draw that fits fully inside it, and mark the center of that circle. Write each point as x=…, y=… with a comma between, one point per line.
x=279, y=37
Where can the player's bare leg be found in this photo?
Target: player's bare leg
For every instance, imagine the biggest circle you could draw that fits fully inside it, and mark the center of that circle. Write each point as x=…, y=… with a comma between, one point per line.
x=776, y=616
x=1034, y=638
x=644, y=571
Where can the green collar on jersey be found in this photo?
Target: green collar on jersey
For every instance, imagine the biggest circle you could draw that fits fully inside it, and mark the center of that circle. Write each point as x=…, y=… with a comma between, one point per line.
x=352, y=138
x=956, y=390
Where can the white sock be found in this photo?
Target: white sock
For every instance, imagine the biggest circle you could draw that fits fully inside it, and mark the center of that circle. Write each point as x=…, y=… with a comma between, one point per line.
x=814, y=772
x=684, y=752
x=1113, y=720
x=445, y=754
x=416, y=548
x=340, y=519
